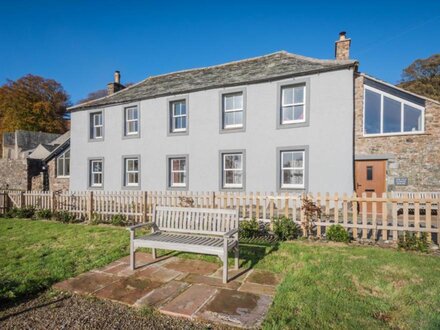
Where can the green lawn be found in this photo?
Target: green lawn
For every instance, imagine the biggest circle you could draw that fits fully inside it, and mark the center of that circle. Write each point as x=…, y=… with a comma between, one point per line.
x=325, y=285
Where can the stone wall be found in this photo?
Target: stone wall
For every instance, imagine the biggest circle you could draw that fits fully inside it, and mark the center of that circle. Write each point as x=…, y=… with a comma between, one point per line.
x=55, y=183
x=13, y=174
x=416, y=157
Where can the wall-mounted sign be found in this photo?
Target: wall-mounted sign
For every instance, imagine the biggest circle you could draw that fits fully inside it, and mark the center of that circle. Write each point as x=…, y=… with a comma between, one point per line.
x=401, y=181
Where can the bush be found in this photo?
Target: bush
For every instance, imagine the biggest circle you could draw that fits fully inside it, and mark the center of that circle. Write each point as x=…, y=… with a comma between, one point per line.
x=23, y=213
x=43, y=214
x=285, y=229
x=249, y=228
x=118, y=220
x=96, y=219
x=337, y=233
x=64, y=216
x=410, y=242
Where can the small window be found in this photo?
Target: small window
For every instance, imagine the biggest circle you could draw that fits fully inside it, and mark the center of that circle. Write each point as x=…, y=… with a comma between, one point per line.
x=292, y=169
x=63, y=165
x=131, y=121
x=233, y=110
x=385, y=114
x=131, y=172
x=96, y=173
x=293, y=104
x=232, y=170
x=369, y=173
x=177, y=172
x=178, y=116
x=96, y=125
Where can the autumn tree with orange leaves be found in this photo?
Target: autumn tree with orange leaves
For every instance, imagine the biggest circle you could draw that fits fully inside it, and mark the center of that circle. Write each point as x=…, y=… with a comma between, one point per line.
x=33, y=103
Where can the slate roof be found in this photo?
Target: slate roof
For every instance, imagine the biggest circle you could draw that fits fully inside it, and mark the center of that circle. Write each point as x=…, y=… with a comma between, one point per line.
x=274, y=66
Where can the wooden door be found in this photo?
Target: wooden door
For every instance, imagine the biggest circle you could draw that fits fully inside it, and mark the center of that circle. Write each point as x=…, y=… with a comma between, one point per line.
x=370, y=176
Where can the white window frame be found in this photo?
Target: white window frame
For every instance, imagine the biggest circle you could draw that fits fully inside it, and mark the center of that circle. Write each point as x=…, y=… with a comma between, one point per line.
x=224, y=96
x=172, y=171
x=402, y=113
x=232, y=185
x=173, y=116
x=303, y=168
x=127, y=172
x=92, y=177
x=128, y=121
x=63, y=158
x=95, y=126
x=293, y=121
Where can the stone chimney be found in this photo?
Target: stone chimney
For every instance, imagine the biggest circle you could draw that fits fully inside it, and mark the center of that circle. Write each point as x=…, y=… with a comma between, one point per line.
x=115, y=86
x=342, y=47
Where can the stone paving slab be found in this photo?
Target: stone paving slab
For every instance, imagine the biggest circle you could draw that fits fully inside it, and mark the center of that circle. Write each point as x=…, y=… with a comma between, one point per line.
x=159, y=274
x=127, y=290
x=86, y=283
x=234, y=274
x=211, y=281
x=200, y=267
x=236, y=308
x=163, y=294
x=190, y=301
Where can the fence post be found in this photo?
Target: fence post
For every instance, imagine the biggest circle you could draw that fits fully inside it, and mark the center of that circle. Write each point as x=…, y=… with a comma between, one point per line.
x=145, y=207
x=53, y=202
x=22, y=199
x=213, y=199
x=90, y=205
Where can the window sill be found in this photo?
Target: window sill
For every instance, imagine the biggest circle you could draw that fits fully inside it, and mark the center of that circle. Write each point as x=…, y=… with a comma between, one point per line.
x=63, y=177
x=138, y=187
x=394, y=134
x=131, y=136
x=177, y=188
x=232, y=129
x=96, y=139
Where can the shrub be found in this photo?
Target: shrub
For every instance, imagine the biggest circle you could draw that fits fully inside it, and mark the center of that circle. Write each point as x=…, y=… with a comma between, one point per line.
x=410, y=242
x=43, y=214
x=95, y=219
x=118, y=220
x=312, y=211
x=285, y=229
x=337, y=233
x=23, y=213
x=249, y=228
x=64, y=216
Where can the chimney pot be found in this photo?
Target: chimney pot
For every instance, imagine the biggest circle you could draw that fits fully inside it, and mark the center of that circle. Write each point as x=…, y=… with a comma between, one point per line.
x=117, y=77
x=342, y=47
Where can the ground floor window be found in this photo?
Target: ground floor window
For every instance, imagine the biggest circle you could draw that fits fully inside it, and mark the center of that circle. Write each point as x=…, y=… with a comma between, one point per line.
x=292, y=169
x=177, y=172
x=96, y=173
x=131, y=172
x=232, y=168
x=63, y=165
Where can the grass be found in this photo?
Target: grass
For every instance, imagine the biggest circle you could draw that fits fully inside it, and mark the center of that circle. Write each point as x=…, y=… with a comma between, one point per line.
x=36, y=254
x=325, y=286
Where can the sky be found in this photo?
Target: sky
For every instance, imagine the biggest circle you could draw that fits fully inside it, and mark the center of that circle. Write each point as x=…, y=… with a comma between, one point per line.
x=81, y=43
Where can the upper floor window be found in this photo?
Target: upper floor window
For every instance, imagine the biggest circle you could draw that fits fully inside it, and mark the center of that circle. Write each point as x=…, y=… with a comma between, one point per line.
x=131, y=115
x=292, y=169
x=233, y=110
x=96, y=173
x=131, y=172
x=293, y=104
x=385, y=114
x=179, y=117
x=233, y=170
x=96, y=125
x=63, y=164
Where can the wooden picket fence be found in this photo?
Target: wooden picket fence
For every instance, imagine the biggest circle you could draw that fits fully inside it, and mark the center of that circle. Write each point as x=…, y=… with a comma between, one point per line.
x=370, y=217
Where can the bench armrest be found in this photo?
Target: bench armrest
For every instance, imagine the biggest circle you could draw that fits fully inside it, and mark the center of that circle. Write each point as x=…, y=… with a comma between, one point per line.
x=132, y=228
x=230, y=233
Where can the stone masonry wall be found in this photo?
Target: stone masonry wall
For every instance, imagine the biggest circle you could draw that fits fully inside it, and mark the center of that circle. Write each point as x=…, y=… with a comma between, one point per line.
x=416, y=157
x=55, y=183
x=13, y=174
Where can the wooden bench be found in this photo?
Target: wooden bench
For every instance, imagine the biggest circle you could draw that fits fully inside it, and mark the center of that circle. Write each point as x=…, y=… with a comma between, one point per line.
x=205, y=231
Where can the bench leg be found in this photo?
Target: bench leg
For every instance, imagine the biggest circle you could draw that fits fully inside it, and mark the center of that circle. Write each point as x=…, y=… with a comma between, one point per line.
x=225, y=269
x=153, y=253
x=236, y=257
x=132, y=252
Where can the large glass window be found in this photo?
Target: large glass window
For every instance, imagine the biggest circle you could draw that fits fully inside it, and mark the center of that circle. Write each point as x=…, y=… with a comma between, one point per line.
x=233, y=110
x=131, y=172
x=292, y=169
x=233, y=170
x=96, y=125
x=293, y=103
x=131, y=121
x=177, y=172
x=63, y=164
x=387, y=114
x=96, y=173
x=178, y=116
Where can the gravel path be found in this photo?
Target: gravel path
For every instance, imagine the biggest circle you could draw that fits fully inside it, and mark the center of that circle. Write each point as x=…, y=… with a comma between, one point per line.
x=65, y=311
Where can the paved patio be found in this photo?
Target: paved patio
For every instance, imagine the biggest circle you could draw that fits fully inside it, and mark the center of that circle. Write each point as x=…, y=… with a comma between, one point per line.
x=183, y=288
